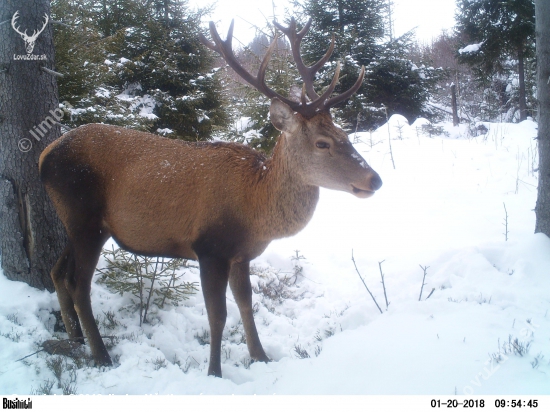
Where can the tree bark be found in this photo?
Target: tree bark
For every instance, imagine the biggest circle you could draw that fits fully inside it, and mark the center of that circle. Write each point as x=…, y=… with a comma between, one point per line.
x=521, y=77
x=31, y=235
x=542, y=209
x=454, y=105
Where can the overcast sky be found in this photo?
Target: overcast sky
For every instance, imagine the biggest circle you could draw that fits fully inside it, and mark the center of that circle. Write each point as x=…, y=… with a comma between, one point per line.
x=428, y=16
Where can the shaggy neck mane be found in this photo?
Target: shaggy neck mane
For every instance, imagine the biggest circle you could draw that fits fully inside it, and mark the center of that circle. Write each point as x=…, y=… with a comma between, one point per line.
x=284, y=201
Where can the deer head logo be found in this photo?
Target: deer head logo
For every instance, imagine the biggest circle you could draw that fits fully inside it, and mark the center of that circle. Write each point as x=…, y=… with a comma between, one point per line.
x=29, y=40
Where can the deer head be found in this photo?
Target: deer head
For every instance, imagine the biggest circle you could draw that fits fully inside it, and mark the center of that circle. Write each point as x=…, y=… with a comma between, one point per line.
x=29, y=40
x=321, y=152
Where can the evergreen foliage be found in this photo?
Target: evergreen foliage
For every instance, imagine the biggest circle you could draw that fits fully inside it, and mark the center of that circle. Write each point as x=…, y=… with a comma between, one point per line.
x=393, y=84
x=281, y=75
x=139, y=64
x=504, y=35
x=149, y=280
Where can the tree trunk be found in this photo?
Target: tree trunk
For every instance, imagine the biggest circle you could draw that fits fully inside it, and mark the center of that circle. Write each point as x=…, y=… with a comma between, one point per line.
x=341, y=24
x=521, y=77
x=542, y=209
x=454, y=105
x=31, y=235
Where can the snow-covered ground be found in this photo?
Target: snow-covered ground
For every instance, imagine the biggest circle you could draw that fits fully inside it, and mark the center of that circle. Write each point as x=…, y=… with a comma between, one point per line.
x=485, y=328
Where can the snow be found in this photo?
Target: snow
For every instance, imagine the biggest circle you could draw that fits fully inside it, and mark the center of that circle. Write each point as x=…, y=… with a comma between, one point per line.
x=102, y=92
x=471, y=48
x=145, y=104
x=442, y=207
x=165, y=131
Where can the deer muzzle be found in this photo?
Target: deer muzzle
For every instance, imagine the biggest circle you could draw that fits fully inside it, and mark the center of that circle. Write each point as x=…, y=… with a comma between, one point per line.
x=367, y=188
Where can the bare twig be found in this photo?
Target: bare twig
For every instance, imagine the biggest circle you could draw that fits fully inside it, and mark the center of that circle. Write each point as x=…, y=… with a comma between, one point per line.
x=34, y=353
x=425, y=269
x=433, y=289
x=389, y=136
x=61, y=341
x=383, y=284
x=360, y=277
x=140, y=282
x=505, y=224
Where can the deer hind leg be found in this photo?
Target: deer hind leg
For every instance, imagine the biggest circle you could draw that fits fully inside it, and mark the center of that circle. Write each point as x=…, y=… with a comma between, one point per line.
x=214, y=274
x=61, y=272
x=86, y=255
x=239, y=280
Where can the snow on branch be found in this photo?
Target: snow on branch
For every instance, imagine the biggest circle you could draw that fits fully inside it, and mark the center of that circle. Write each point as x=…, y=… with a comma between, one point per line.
x=471, y=48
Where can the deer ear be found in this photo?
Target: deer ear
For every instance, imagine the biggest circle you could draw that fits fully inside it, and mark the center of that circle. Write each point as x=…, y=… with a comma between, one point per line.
x=282, y=116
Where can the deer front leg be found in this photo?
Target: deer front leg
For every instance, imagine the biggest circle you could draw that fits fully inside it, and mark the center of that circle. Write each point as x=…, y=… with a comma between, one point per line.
x=239, y=280
x=214, y=273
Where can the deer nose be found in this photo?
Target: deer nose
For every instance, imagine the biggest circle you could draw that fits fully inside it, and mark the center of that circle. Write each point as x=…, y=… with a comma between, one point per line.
x=375, y=181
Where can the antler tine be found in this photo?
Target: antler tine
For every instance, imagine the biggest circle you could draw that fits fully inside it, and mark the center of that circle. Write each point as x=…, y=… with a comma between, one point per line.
x=320, y=102
x=265, y=61
x=325, y=58
x=307, y=72
x=224, y=48
x=341, y=97
x=35, y=32
x=46, y=20
x=295, y=40
x=332, y=85
x=304, y=30
x=13, y=19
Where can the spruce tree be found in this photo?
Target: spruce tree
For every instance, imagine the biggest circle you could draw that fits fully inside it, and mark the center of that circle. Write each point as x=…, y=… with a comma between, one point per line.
x=393, y=84
x=139, y=64
x=502, y=30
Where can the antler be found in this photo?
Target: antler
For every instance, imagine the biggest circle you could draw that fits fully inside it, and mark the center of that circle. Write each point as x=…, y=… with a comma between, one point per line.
x=308, y=72
x=305, y=108
x=13, y=19
x=36, y=33
x=225, y=49
x=25, y=35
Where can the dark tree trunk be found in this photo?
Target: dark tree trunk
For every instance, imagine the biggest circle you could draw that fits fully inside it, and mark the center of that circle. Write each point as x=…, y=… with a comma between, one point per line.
x=454, y=105
x=31, y=236
x=341, y=24
x=542, y=210
x=521, y=77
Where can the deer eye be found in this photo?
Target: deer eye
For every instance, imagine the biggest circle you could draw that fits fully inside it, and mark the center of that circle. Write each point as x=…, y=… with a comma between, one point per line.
x=322, y=145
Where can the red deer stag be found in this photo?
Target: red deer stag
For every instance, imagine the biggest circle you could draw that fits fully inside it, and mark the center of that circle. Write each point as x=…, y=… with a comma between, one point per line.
x=219, y=203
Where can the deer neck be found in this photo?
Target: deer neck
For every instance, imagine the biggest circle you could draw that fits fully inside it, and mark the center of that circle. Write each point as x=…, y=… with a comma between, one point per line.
x=287, y=201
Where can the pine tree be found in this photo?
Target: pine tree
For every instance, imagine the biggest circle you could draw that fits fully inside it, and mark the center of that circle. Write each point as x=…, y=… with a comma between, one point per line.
x=502, y=30
x=141, y=65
